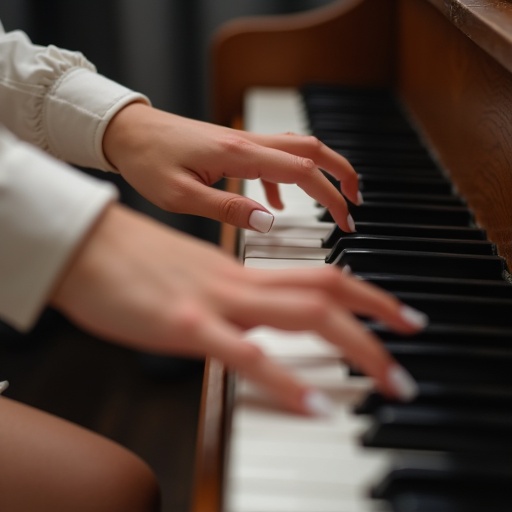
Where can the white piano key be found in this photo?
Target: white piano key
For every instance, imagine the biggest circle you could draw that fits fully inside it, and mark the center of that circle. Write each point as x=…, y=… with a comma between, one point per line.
x=292, y=344
x=294, y=198
x=262, y=499
x=294, y=253
x=314, y=231
x=277, y=264
x=274, y=110
x=278, y=241
x=301, y=220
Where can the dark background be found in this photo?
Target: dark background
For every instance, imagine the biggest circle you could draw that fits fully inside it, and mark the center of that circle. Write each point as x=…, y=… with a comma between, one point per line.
x=147, y=403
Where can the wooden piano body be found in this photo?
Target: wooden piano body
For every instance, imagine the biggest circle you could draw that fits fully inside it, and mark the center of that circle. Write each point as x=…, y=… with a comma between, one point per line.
x=450, y=62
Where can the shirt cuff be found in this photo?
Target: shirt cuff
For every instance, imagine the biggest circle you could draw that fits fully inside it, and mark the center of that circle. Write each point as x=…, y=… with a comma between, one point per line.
x=46, y=210
x=76, y=114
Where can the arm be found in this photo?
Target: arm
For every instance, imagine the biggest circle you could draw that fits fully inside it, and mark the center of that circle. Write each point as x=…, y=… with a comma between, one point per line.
x=54, y=99
x=45, y=209
x=170, y=159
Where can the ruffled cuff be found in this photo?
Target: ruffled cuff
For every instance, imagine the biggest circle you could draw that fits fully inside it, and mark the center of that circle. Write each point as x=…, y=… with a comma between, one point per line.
x=76, y=113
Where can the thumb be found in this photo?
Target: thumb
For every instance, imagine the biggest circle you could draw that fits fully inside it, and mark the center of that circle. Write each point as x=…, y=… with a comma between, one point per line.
x=229, y=208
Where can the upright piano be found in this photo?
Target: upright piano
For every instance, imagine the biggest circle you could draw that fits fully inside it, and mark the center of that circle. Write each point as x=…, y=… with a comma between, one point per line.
x=418, y=95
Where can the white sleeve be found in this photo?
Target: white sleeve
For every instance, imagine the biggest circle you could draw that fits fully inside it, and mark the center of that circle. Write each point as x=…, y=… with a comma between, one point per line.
x=46, y=208
x=54, y=99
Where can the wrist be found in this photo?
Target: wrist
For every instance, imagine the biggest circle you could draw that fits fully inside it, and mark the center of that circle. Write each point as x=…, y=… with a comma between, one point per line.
x=119, y=133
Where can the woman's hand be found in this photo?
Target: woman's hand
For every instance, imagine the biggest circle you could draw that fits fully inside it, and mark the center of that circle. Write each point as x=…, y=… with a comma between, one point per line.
x=173, y=161
x=136, y=282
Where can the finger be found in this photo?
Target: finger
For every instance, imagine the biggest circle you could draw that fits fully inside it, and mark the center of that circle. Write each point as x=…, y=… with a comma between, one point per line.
x=226, y=207
x=273, y=195
x=359, y=297
x=310, y=147
x=276, y=166
x=224, y=342
x=313, y=311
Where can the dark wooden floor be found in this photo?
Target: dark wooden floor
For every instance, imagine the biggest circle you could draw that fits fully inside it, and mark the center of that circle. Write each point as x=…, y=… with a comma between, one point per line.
x=148, y=404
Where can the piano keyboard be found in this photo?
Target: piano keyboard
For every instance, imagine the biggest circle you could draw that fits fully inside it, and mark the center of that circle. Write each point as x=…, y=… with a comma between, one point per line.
x=451, y=449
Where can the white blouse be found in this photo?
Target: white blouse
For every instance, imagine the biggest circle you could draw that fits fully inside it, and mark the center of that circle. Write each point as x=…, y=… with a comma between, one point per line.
x=52, y=102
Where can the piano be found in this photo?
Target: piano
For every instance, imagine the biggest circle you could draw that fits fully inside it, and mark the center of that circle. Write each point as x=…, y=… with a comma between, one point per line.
x=418, y=95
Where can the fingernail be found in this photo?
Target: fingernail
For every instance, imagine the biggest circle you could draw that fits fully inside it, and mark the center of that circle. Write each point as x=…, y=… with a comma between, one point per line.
x=403, y=383
x=261, y=221
x=346, y=269
x=414, y=317
x=360, y=199
x=351, y=223
x=318, y=404
x=3, y=386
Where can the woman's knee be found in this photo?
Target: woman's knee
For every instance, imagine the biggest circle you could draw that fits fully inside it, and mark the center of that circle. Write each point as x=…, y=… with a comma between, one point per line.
x=50, y=464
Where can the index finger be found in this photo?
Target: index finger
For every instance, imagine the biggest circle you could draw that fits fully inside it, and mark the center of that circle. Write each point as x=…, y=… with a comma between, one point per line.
x=309, y=146
x=276, y=166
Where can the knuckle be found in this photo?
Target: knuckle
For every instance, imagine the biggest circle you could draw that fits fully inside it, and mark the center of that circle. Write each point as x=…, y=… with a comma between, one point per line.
x=234, y=144
x=187, y=318
x=305, y=166
x=318, y=306
x=250, y=356
x=329, y=278
x=314, y=143
x=231, y=209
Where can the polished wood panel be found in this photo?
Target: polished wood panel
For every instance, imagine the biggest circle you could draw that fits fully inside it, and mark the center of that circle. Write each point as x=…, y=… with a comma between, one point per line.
x=350, y=41
x=487, y=23
x=461, y=97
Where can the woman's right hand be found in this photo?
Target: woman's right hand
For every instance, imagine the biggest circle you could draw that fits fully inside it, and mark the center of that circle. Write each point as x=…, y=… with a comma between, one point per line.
x=136, y=282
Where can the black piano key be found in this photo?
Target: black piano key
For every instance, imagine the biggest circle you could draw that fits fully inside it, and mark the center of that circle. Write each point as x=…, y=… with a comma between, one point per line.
x=479, y=336
x=354, y=124
x=466, y=266
x=453, y=364
x=407, y=214
x=404, y=184
x=383, y=158
x=410, y=244
x=465, y=430
x=469, y=394
x=457, y=309
x=431, y=172
x=396, y=229
x=446, y=483
x=341, y=141
x=391, y=197
x=440, y=285
x=361, y=105
x=456, y=364
x=422, y=263
x=448, y=500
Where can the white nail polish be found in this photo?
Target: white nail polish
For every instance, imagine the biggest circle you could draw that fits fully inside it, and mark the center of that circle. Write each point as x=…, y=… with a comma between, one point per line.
x=414, y=317
x=403, y=383
x=261, y=221
x=351, y=223
x=3, y=386
x=318, y=404
x=360, y=199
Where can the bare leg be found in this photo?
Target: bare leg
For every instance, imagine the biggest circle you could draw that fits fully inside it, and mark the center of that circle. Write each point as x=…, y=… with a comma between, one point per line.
x=48, y=465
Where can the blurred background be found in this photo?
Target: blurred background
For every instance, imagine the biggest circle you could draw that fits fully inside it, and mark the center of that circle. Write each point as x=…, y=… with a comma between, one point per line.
x=149, y=404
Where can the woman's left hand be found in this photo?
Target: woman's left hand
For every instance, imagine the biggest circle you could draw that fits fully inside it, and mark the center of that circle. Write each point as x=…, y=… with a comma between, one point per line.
x=173, y=161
